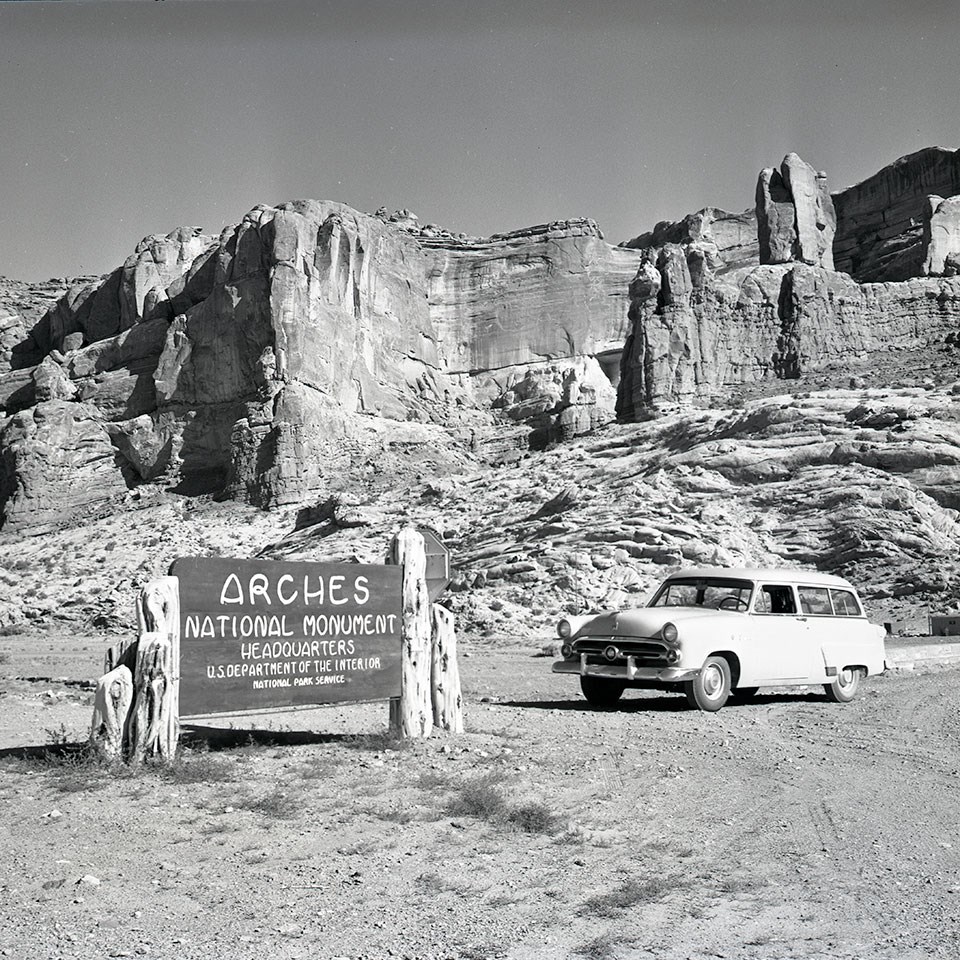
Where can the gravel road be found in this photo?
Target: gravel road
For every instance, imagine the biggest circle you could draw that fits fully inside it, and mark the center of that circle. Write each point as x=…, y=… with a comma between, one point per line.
x=788, y=827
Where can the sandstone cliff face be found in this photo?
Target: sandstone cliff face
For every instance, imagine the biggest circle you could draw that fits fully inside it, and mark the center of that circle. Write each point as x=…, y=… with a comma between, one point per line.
x=941, y=236
x=536, y=319
x=241, y=363
x=880, y=220
x=727, y=241
x=697, y=341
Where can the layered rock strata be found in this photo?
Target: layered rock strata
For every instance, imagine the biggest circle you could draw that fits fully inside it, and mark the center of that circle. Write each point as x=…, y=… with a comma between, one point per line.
x=241, y=363
x=727, y=241
x=693, y=341
x=880, y=220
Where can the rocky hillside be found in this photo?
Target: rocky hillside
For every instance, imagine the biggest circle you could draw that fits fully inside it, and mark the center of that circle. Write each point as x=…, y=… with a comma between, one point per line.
x=347, y=372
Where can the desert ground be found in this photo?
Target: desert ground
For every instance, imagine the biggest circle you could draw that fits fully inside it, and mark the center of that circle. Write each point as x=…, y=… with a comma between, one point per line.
x=787, y=827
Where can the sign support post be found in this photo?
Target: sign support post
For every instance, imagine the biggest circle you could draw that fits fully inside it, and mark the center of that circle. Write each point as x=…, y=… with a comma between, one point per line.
x=411, y=716
x=136, y=704
x=430, y=692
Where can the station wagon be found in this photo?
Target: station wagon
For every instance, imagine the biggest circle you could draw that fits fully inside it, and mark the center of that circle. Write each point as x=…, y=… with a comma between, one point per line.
x=715, y=633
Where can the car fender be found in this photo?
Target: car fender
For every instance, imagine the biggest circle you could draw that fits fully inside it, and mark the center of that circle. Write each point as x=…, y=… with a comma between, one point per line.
x=865, y=652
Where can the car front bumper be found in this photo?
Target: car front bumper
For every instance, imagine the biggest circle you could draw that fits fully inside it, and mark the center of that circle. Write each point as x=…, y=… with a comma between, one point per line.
x=630, y=670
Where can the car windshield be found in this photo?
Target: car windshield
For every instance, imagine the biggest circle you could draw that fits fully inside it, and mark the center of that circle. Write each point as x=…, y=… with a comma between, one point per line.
x=715, y=592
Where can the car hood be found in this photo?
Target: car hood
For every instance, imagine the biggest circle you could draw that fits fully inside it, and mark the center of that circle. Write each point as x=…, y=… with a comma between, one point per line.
x=645, y=621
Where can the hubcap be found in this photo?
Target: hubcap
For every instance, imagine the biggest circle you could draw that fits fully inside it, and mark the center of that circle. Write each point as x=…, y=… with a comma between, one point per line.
x=712, y=681
x=847, y=678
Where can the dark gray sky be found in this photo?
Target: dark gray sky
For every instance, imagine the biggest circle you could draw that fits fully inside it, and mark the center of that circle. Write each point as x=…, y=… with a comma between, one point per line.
x=122, y=119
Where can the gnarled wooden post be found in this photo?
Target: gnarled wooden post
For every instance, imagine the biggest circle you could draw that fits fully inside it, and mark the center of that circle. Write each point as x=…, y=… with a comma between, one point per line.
x=155, y=721
x=445, y=673
x=412, y=715
x=111, y=712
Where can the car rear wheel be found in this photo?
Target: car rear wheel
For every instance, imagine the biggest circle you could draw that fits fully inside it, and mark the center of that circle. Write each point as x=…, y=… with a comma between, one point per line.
x=845, y=686
x=600, y=692
x=710, y=689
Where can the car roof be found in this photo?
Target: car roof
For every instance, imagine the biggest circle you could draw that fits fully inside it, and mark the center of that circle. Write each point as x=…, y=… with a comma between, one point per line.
x=767, y=574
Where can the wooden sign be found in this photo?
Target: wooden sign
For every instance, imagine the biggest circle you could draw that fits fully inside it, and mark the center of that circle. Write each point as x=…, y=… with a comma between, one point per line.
x=259, y=634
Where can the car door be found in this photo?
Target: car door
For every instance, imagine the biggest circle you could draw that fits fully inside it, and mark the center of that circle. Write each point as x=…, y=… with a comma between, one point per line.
x=779, y=648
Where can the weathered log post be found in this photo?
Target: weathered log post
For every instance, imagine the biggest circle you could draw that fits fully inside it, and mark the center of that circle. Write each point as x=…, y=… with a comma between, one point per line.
x=111, y=713
x=411, y=716
x=137, y=703
x=155, y=720
x=445, y=672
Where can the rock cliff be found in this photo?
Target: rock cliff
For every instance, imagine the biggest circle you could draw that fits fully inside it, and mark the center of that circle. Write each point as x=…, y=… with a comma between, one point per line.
x=242, y=363
x=370, y=369
x=880, y=220
x=696, y=341
x=701, y=327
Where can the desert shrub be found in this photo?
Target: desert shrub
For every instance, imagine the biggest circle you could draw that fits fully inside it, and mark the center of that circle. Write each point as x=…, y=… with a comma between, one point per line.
x=480, y=798
x=534, y=818
x=599, y=948
x=630, y=893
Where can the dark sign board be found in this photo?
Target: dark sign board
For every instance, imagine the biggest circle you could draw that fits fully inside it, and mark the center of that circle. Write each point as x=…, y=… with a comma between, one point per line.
x=258, y=634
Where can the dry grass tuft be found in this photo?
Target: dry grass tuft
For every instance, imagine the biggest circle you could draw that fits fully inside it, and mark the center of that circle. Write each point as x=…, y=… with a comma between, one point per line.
x=631, y=893
x=203, y=768
x=279, y=804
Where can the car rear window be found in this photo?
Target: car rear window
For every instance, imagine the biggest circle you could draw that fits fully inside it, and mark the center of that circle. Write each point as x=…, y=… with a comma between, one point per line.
x=845, y=604
x=815, y=601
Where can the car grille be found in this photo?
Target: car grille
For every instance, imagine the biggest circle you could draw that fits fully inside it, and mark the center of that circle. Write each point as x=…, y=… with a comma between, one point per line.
x=645, y=652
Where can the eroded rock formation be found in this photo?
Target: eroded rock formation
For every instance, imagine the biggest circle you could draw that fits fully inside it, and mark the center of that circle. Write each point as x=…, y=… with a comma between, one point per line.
x=698, y=331
x=275, y=361
x=241, y=363
x=795, y=215
x=941, y=236
x=880, y=220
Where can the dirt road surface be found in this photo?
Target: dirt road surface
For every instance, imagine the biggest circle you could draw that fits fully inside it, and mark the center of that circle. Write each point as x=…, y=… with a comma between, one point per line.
x=787, y=827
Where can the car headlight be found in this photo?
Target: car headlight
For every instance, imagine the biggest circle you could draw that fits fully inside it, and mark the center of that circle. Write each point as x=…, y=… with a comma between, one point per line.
x=669, y=632
x=564, y=629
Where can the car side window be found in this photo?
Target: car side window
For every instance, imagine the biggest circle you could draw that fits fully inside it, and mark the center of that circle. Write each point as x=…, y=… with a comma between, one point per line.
x=775, y=598
x=815, y=601
x=845, y=604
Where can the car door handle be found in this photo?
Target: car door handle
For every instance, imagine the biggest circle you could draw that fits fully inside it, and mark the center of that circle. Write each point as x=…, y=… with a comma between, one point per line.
x=802, y=619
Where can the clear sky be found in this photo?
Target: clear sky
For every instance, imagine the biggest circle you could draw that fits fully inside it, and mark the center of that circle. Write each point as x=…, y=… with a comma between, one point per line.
x=122, y=119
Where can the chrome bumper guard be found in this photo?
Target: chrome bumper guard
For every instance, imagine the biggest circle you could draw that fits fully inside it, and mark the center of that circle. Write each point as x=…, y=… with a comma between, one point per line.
x=628, y=671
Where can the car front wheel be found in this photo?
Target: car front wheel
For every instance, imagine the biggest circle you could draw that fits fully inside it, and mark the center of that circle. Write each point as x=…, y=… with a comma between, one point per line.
x=710, y=689
x=844, y=687
x=600, y=692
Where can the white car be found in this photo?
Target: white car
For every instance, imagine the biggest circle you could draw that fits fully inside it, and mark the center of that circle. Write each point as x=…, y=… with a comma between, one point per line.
x=719, y=632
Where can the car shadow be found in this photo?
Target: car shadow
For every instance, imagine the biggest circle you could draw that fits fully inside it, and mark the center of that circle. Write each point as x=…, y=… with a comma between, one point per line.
x=660, y=704
x=629, y=705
